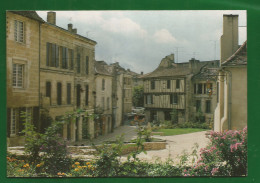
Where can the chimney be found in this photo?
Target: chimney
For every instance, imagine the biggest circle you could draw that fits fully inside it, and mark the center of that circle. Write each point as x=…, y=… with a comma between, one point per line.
x=74, y=31
x=51, y=17
x=142, y=72
x=70, y=27
x=229, y=39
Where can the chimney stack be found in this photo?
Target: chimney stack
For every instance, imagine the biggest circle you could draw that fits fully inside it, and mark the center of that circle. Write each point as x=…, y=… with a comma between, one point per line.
x=229, y=39
x=142, y=72
x=74, y=31
x=70, y=27
x=51, y=17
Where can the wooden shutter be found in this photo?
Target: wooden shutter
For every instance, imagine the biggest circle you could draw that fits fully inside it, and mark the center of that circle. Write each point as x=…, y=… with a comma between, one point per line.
x=68, y=93
x=57, y=53
x=8, y=121
x=48, y=54
x=59, y=93
x=87, y=64
x=72, y=60
x=171, y=97
x=86, y=95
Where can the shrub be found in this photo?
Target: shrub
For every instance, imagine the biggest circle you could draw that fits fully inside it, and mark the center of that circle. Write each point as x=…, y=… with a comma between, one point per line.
x=226, y=155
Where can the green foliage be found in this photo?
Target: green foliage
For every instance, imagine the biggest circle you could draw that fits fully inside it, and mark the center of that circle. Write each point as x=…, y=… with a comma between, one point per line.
x=138, y=96
x=174, y=116
x=178, y=131
x=226, y=155
x=199, y=117
x=108, y=162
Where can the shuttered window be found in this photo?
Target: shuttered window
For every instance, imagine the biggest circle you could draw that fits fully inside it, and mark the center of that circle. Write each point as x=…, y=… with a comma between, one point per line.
x=59, y=93
x=208, y=105
x=103, y=84
x=168, y=84
x=64, y=58
x=87, y=64
x=78, y=63
x=152, y=85
x=86, y=99
x=198, y=105
x=71, y=59
x=174, y=98
x=68, y=93
x=52, y=55
x=177, y=83
x=14, y=113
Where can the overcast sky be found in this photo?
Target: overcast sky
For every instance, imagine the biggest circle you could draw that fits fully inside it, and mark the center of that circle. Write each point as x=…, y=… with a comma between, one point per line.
x=138, y=40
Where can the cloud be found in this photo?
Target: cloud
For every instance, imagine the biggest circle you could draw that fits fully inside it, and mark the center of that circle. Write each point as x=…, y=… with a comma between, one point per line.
x=123, y=25
x=164, y=36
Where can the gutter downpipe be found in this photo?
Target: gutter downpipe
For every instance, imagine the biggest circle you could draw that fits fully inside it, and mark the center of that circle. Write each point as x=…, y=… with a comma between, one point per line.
x=39, y=80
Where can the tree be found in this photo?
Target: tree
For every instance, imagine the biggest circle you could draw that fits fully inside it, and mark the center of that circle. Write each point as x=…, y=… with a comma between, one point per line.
x=138, y=96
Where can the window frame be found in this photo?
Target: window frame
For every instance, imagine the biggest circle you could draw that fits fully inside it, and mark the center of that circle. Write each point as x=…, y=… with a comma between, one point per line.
x=16, y=77
x=17, y=33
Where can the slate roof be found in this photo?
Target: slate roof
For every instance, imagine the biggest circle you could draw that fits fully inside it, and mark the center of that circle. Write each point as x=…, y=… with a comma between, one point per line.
x=206, y=73
x=239, y=58
x=29, y=14
x=102, y=68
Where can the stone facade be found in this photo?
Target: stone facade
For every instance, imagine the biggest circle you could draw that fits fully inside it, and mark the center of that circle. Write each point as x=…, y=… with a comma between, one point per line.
x=103, y=98
x=50, y=71
x=22, y=60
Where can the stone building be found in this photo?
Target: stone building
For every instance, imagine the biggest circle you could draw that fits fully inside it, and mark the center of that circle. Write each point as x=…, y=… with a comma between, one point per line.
x=22, y=61
x=121, y=93
x=170, y=88
x=103, y=97
x=67, y=76
x=50, y=71
x=231, y=110
x=204, y=95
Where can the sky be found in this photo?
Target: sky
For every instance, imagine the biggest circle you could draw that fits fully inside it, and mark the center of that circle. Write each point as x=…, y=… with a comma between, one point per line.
x=139, y=40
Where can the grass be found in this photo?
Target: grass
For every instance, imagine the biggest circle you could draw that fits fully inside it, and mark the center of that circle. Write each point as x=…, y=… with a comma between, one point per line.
x=179, y=131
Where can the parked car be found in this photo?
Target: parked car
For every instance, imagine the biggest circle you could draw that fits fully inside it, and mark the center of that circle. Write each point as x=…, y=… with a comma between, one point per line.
x=138, y=110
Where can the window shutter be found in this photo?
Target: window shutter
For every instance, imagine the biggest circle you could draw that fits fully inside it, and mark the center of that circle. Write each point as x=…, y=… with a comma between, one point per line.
x=57, y=56
x=21, y=120
x=72, y=60
x=66, y=58
x=8, y=121
x=171, y=97
x=86, y=95
x=47, y=54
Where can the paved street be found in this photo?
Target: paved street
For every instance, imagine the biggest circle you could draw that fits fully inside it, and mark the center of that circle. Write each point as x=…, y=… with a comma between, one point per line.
x=175, y=146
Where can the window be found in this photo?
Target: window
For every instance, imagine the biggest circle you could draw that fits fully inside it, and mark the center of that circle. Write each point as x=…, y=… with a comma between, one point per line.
x=174, y=98
x=71, y=53
x=68, y=93
x=149, y=99
x=168, y=84
x=108, y=103
x=195, y=88
x=19, y=31
x=87, y=64
x=103, y=103
x=78, y=95
x=198, y=105
x=64, y=57
x=59, y=93
x=78, y=63
x=18, y=75
x=205, y=88
x=103, y=84
x=52, y=55
x=48, y=90
x=208, y=104
x=152, y=85
x=177, y=83
x=13, y=121
x=199, y=88
x=86, y=99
